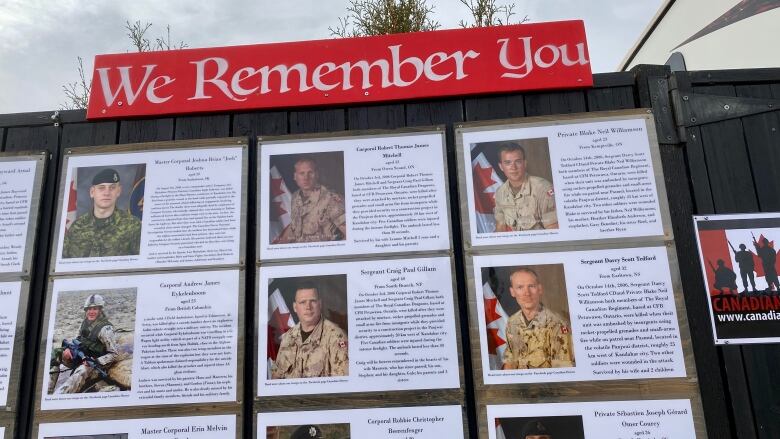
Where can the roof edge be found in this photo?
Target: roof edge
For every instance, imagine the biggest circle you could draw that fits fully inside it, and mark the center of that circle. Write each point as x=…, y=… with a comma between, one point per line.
x=659, y=15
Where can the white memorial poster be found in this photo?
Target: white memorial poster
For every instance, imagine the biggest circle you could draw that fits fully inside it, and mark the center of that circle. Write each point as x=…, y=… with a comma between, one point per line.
x=403, y=422
x=139, y=340
x=10, y=293
x=357, y=327
x=650, y=419
x=353, y=195
x=153, y=209
x=577, y=316
x=560, y=182
x=190, y=427
x=17, y=184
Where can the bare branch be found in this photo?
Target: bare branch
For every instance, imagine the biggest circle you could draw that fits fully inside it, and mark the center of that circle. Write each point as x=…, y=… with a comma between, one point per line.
x=136, y=32
x=77, y=93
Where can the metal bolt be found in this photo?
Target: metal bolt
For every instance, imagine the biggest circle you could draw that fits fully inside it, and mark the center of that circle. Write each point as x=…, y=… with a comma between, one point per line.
x=365, y=93
x=668, y=137
x=119, y=103
x=727, y=107
x=693, y=119
x=685, y=98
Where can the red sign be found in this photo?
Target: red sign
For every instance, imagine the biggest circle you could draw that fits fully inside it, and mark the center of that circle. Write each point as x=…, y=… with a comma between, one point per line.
x=338, y=71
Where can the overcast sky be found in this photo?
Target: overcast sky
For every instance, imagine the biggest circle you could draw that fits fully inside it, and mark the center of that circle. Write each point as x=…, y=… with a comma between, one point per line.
x=40, y=40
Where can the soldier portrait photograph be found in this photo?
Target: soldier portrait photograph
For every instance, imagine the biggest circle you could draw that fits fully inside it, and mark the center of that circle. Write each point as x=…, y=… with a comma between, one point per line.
x=92, y=341
x=307, y=327
x=541, y=427
x=513, y=189
x=307, y=198
x=309, y=431
x=103, y=209
x=532, y=307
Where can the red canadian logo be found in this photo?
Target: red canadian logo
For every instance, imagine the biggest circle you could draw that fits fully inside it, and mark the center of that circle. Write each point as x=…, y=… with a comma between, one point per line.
x=358, y=70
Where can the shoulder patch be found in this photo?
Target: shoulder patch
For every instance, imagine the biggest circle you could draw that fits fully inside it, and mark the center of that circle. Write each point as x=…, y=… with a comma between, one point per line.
x=551, y=192
x=343, y=344
x=564, y=329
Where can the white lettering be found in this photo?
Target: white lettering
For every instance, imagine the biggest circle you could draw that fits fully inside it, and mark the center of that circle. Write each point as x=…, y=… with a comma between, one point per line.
x=284, y=72
x=124, y=75
x=238, y=77
x=151, y=96
x=504, y=59
x=398, y=63
x=539, y=52
x=383, y=65
x=316, y=76
x=222, y=66
x=581, y=58
x=430, y=64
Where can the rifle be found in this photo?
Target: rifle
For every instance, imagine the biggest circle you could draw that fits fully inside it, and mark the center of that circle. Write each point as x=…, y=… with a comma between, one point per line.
x=755, y=243
x=79, y=357
x=732, y=247
x=712, y=266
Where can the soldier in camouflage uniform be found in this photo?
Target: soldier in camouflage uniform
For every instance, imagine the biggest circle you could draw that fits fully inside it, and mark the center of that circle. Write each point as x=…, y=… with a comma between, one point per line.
x=536, y=336
x=106, y=230
x=315, y=346
x=97, y=340
x=317, y=214
x=523, y=202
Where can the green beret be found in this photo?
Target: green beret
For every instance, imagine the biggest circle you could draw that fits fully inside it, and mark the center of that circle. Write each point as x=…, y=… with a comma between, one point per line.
x=307, y=432
x=107, y=175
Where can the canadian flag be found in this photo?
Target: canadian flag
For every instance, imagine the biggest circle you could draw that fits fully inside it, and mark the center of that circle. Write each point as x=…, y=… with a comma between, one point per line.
x=70, y=216
x=486, y=182
x=495, y=320
x=281, y=203
x=279, y=321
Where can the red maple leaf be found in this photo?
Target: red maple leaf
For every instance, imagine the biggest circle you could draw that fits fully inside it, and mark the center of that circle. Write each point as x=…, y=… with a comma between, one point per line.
x=484, y=202
x=490, y=310
x=272, y=348
x=494, y=341
x=279, y=320
x=276, y=187
x=277, y=209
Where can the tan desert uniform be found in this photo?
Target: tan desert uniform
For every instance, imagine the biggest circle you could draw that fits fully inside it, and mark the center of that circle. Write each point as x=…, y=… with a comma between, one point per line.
x=323, y=354
x=316, y=217
x=84, y=372
x=543, y=342
x=531, y=208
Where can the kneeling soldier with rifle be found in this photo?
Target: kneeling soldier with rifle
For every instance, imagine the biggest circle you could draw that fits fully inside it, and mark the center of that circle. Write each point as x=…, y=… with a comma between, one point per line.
x=90, y=354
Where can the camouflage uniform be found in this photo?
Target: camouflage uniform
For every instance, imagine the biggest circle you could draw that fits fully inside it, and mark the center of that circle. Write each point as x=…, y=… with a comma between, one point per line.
x=98, y=341
x=317, y=217
x=117, y=235
x=543, y=342
x=531, y=208
x=323, y=354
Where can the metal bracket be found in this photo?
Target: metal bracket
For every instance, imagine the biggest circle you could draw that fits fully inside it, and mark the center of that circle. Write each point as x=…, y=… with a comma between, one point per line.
x=694, y=109
x=662, y=109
